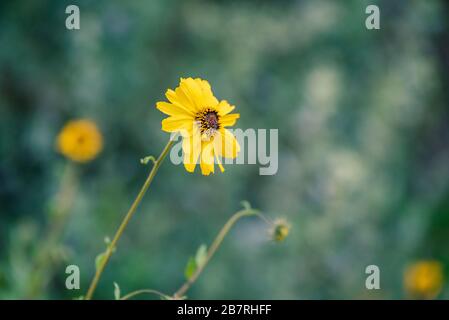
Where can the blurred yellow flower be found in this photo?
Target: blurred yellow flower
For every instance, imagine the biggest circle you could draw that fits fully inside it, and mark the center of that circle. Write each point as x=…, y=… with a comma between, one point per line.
x=200, y=118
x=424, y=279
x=80, y=140
x=280, y=230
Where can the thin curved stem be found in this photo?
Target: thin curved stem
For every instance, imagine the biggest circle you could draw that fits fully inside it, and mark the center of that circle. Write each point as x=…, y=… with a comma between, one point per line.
x=150, y=291
x=213, y=248
x=126, y=219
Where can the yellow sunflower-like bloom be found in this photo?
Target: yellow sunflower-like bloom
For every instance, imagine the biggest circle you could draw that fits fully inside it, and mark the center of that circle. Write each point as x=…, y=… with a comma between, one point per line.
x=80, y=140
x=201, y=119
x=424, y=279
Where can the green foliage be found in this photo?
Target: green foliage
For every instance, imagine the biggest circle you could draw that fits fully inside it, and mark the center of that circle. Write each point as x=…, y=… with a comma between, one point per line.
x=116, y=291
x=148, y=159
x=196, y=262
x=99, y=260
x=190, y=268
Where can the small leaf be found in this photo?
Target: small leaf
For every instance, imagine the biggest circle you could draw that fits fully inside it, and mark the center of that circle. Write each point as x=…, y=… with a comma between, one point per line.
x=147, y=159
x=99, y=260
x=116, y=291
x=190, y=268
x=245, y=204
x=201, y=255
x=196, y=262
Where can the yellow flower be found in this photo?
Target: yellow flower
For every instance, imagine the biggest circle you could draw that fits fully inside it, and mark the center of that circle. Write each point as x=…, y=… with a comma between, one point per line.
x=424, y=279
x=80, y=140
x=201, y=119
x=280, y=230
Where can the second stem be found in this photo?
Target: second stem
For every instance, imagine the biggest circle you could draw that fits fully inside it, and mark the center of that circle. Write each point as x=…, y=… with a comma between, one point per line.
x=213, y=248
x=126, y=219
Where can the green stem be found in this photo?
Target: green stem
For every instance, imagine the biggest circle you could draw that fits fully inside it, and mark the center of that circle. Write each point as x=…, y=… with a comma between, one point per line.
x=135, y=293
x=129, y=215
x=213, y=248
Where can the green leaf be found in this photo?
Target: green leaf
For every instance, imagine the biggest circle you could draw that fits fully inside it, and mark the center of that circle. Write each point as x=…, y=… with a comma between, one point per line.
x=116, y=291
x=99, y=260
x=190, y=268
x=196, y=262
x=201, y=255
x=245, y=204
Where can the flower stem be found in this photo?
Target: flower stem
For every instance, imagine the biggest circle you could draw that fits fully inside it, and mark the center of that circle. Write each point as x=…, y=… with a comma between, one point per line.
x=138, y=292
x=126, y=219
x=213, y=248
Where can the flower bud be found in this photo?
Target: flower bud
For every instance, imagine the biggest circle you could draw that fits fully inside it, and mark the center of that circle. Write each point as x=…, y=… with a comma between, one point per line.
x=280, y=230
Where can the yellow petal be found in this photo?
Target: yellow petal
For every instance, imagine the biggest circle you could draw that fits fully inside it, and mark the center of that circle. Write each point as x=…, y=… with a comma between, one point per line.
x=173, y=124
x=207, y=158
x=179, y=99
x=229, y=119
x=222, y=169
x=190, y=160
x=225, y=144
x=190, y=167
x=193, y=92
x=224, y=108
x=173, y=109
x=192, y=142
x=208, y=97
x=191, y=147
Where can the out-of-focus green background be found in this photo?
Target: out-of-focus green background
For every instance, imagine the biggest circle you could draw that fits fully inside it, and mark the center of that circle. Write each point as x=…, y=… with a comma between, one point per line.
x=363, y=143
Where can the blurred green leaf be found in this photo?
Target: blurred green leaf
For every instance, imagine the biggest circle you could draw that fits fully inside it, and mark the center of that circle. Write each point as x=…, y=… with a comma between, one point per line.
x=201, y=255
x=190, y=268
x=245, y=204
x=195, y=262
x=116, y=291
x=99, y=260
x=148, y=159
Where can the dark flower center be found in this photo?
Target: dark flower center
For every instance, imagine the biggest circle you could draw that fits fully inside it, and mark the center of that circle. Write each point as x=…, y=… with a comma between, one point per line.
x=211, y=120
x=80, y=139
x=208, y=120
